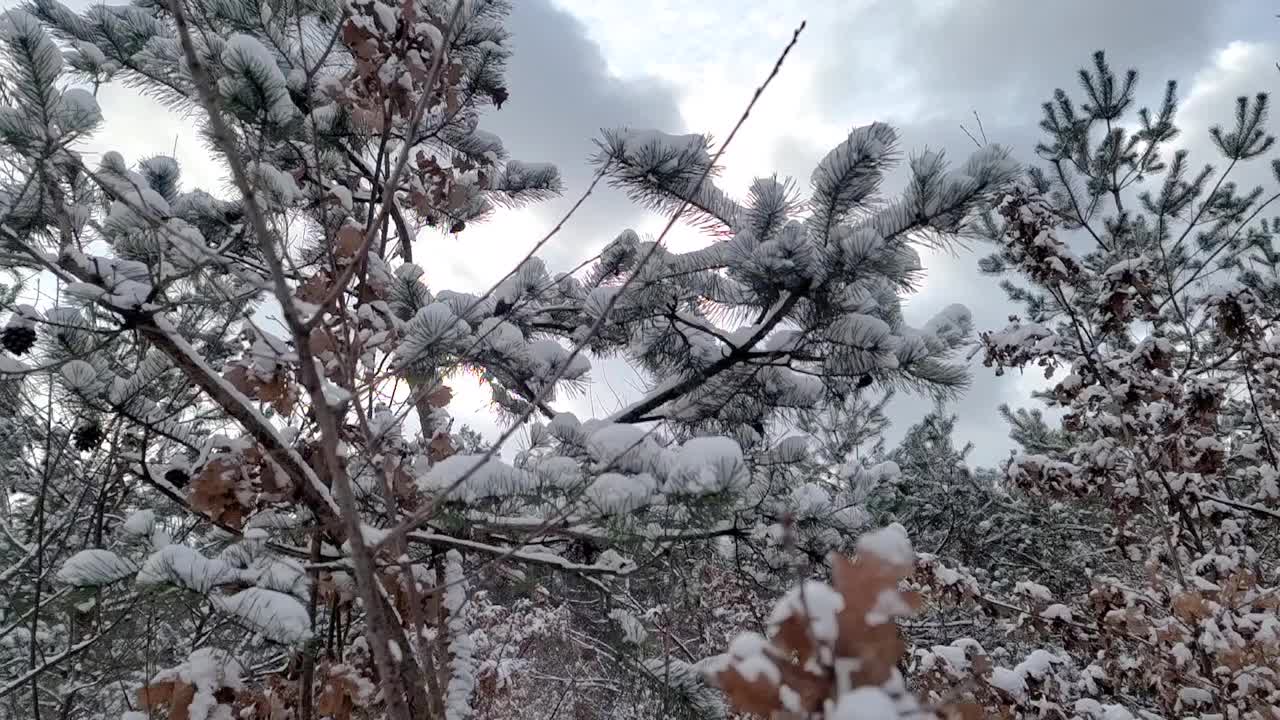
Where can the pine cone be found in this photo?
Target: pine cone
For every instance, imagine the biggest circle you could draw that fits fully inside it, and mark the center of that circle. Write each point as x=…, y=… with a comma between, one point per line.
x=499, y=95
x=457, y=227
x=87, y=437
x=177, y=477
x=18, y=339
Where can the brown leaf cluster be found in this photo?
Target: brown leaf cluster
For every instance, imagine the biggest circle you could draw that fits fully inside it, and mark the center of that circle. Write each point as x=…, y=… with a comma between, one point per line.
x=171, y=699
x=230, y=486
x=339, y=693
x=376, y=98
x=277, y=391
x=866, y=634
x=214, y=490
x=441, y=447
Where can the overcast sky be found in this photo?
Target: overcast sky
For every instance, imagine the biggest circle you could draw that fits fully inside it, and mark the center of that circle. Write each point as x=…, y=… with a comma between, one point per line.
x=923, y=65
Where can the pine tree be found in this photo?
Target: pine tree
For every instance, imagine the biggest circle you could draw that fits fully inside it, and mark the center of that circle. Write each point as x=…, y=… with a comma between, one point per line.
x=216, y=501
x=1144, y=283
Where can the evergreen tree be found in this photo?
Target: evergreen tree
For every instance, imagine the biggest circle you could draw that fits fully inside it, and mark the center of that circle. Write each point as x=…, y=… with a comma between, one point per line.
x=219, y=507
x=1145, y=284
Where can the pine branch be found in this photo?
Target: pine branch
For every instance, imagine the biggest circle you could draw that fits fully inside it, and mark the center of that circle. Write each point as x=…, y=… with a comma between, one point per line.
x=423, y=516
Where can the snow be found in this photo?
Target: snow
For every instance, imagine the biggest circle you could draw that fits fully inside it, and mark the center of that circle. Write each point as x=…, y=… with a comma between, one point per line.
x=89, y=568
x=343, y=195
x=707, y=465
x=635, y=142
x=90, y=52
x=563, y=424
x=616, y=445
x=791, y=449
x=482, y=142
x=1124, y=266
x=209, y=671
x=279, y=574
x=522, y=172
x=852, y=169
x=139, y=523
x=12, y=367
x=864, y=703
x=78, y=110
x=951, y=324
x=484, y=478
x=549, y=356
x=815, y=600
x=433, y=329
x=1037, y=663
x=615, y=493
x=1097, y=711
x=633, y=630
x=272, y=614
x=282, y=187
x=1194, y=696
x=243, y=54
x=991, y=164
x=129, y=294
x=956, y=655
x=433, y=34
x=890, y=544
x=462, y=678
x=889, y=604
x=183, y=566
x=1057, y=611
x=386, y=16
x=810, y=500
x=616, y=561
x=18, y=26
x=79, y=374
x=557, y=471
x=1033, y=590
x=860, y=330
x=748, y=657
x=1009, y=681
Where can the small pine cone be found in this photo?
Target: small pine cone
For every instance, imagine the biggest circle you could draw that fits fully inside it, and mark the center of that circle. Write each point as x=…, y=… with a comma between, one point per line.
x=18, y=339
x=499, y=95
x=177, y=477
x=457, y=227
x=87, y=436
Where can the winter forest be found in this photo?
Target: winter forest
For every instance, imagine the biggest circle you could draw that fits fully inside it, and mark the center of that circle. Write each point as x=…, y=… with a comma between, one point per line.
x=264, y=455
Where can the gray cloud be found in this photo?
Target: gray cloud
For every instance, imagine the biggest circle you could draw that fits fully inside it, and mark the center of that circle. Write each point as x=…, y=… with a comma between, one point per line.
x=561, y=97
x=927, y=65
x=997, y=56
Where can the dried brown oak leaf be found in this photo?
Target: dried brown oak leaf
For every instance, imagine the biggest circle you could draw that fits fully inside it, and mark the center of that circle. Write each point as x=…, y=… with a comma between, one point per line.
x=872, y=601
x=794, y=659
x=440, y=396
x=213, y=491
x=440, y=447
x=277, y=390
x=173, y=694
x=349, y=240
x=315, y=289
x=338, y=696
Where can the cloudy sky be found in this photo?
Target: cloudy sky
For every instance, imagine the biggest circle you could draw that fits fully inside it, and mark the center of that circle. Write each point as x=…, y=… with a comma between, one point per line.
x=925, y=66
